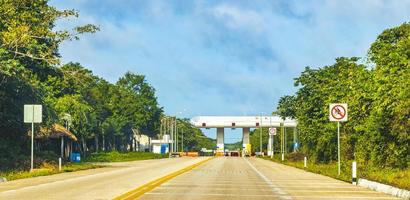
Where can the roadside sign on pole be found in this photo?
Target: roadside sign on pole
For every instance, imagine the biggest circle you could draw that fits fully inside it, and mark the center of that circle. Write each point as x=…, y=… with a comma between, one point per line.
x=272, y=131
x=33, y=114
x=338, y=112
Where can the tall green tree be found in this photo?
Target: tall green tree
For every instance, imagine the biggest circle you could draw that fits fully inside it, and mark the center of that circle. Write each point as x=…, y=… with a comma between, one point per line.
x=286, y=107
x=28, y=55
x=27, y=35
x=389, y=124
x=345, y=81
x=144, y=109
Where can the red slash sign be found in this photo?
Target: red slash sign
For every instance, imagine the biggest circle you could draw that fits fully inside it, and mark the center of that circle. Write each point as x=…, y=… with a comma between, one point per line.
x=338, y=112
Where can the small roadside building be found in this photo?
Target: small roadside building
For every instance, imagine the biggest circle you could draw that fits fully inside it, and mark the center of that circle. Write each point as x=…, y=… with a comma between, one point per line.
x=141, y=142
x=57, y=138
x=161, y=146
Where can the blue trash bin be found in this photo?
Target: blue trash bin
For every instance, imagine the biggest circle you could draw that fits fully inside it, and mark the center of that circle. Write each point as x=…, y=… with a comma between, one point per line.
x=75, y=157
x=164, y=148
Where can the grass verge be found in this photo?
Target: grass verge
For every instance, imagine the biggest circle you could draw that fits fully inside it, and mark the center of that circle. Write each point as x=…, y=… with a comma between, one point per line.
x=115, y=156
x=45, y=170
x=395, y=177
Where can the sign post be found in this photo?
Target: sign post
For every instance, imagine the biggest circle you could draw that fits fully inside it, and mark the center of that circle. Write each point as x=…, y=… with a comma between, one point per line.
x=32, y=114
x=272, y=132
x=338, y=113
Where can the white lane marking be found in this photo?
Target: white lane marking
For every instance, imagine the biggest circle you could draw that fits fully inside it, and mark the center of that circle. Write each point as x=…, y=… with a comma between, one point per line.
x=216, y=189
x=344, y=197
x=214, y=184
x=175, y=187
x=212, y=194
x=275, y=188
x=266, y=195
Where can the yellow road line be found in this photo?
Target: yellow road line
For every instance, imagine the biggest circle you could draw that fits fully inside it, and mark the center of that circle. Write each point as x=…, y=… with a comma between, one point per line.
x=137, y=192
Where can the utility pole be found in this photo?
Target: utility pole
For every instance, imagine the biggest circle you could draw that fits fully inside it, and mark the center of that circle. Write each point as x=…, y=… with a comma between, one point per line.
x=282, y=143
x=160, y=128
x=271, y=138
x=260, y=135
x=171, y=135
x=295, y=142
x=176, y=135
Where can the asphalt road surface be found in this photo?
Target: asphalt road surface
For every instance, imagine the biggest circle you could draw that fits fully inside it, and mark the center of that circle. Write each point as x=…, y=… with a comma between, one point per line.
x=252, y=178
x=102, y=183
x=219, y=178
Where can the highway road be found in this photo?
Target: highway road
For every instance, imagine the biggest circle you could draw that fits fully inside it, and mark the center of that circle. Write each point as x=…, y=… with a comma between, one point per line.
x=251, y=178
x=218, y=178
x=101, y=183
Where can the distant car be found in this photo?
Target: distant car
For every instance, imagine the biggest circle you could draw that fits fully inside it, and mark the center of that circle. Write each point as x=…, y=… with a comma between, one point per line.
x=175, y=154
x=235, y=153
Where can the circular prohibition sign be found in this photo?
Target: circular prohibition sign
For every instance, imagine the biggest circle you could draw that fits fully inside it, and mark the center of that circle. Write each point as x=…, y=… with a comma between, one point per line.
x=338, y=112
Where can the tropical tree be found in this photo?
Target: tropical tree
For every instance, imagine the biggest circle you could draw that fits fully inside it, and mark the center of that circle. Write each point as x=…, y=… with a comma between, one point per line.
x=389, y=122
x=28, y=55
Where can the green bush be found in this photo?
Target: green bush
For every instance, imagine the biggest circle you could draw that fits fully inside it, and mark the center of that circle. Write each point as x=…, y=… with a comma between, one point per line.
x=295, y=156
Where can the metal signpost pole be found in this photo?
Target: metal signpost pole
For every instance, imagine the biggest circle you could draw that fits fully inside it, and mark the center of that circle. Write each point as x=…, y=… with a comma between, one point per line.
x=285, y=148
x=338, y=147
x=338, y=113
x=273, y=145
x=32, y=114
x=32, y=142
x=282, y=142
x=260, y=140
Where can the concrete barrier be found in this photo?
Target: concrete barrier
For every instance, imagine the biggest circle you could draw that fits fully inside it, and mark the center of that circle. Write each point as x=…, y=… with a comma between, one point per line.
x=192, y=154
x=219, y=154
x=402, y=193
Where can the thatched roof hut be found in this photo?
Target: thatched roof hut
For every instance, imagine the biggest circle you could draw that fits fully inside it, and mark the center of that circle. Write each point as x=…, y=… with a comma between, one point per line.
x=56, y=131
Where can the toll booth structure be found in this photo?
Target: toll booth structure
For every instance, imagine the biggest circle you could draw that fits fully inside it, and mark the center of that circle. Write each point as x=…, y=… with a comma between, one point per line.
x=244, y=122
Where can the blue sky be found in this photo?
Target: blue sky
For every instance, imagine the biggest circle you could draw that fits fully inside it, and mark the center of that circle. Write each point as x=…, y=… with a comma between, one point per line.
x=224, y=57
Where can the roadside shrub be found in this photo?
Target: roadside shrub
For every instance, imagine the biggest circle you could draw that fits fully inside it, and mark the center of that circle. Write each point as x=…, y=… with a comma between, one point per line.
x=295, y=156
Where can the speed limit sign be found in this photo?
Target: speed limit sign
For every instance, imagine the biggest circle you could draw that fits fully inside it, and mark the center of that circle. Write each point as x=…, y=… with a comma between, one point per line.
x=272, y=131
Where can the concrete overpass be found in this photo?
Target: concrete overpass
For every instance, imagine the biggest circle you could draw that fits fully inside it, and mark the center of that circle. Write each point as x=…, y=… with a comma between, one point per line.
x=244, y=122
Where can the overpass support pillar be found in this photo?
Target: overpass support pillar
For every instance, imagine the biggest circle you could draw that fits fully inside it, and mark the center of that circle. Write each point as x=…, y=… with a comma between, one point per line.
x=246, y=146
x=220, y=139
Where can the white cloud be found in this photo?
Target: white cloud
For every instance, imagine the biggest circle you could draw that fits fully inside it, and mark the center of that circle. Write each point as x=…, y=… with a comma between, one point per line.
x=225, y=58
x=237, y=18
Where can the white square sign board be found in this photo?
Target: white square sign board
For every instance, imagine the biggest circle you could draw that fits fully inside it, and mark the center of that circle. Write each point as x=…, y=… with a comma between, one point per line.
x=33, y=113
